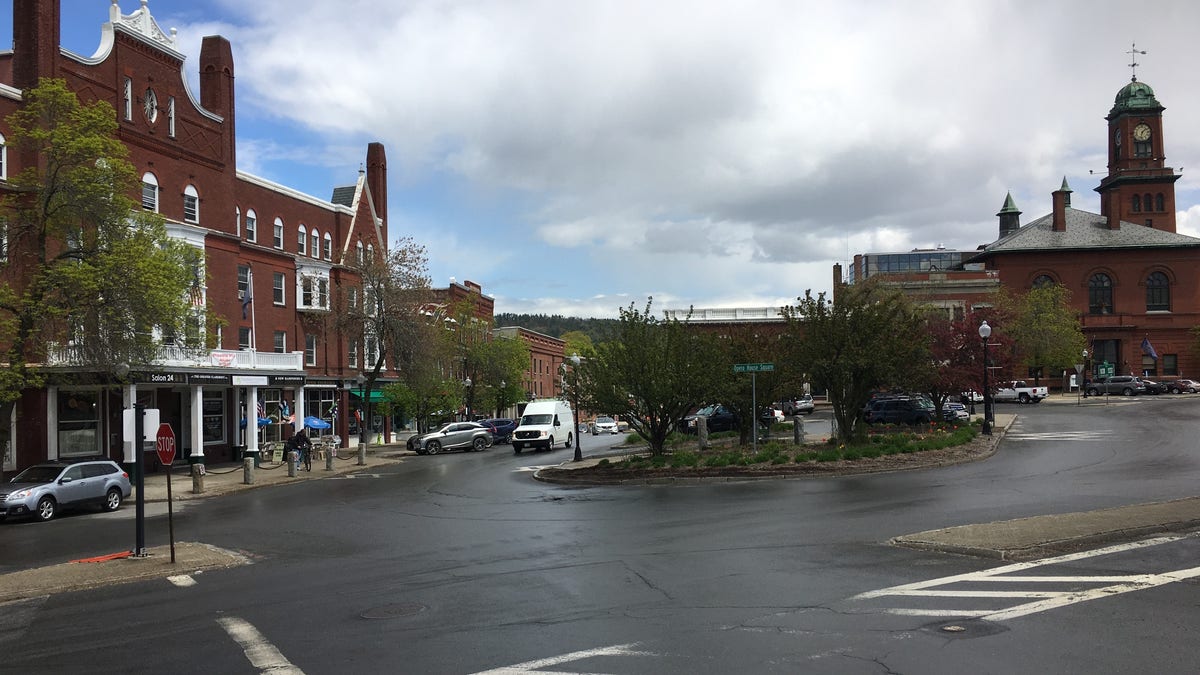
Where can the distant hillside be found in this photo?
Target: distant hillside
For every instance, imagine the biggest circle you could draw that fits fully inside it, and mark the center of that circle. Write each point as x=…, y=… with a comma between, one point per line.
x=600, y=330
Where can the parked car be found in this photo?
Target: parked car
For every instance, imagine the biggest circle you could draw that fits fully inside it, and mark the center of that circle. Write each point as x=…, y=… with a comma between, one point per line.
x=453, y=436
x=971, y=396
x=801, y=405
x=901, y=410
x=719, y=417
x=44, y=489
x=501, y=428
x=1153, y=387
x=955, y=411
x=1125, y=385
x=604, y=425
x=1181, y=386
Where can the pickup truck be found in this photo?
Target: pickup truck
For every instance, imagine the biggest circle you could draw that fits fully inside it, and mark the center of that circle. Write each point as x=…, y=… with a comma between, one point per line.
x=1020, y=392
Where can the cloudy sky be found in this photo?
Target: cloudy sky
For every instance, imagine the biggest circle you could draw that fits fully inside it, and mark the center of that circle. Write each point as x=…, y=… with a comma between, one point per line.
x=576, y=156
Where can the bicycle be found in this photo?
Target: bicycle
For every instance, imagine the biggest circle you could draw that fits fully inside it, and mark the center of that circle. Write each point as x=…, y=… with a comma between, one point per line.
x=306, y=457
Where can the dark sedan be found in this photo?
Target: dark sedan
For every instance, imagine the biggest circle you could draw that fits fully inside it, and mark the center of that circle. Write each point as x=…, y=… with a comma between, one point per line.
x=501, y=428
x=1154, y=387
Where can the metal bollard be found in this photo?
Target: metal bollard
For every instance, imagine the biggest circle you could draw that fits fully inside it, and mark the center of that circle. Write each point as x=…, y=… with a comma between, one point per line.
x=362, y=454
x=197, y=479
x=292, y=457
x=248, y=470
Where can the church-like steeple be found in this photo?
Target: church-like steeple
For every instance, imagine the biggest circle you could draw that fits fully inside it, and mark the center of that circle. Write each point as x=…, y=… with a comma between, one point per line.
x=1010, y=217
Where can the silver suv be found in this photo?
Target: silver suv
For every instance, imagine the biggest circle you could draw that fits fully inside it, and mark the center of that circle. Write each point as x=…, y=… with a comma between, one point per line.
x=1125, y=385
x=456, y=435
x=43, y=489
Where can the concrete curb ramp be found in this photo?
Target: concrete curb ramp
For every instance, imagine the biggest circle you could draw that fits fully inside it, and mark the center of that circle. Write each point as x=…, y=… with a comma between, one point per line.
x=1039, y=536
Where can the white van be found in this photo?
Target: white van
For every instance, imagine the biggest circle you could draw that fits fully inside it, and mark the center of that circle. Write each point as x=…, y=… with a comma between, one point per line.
x=544, y=424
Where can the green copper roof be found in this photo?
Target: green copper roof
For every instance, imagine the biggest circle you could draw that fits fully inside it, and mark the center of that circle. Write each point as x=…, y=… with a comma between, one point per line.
x=1135, y=96
x=1065, y=187
x=1009, y=206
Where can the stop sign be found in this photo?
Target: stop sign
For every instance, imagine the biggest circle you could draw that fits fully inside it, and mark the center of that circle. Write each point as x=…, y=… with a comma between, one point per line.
x=165, y=444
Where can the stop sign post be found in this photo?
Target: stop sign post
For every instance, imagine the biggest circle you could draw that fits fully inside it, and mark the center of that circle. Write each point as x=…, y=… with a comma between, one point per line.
x=165, y=444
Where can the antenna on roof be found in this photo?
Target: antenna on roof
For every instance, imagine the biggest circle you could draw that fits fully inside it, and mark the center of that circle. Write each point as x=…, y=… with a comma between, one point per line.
x=1133, y=64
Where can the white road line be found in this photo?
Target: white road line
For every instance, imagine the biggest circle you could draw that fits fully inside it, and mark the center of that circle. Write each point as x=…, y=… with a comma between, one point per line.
x=535, y=666
x=1047, y=600
x=261, y=654
x=182, y=580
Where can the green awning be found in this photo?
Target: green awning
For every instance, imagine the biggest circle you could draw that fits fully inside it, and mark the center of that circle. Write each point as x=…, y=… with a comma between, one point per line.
x=375, y=397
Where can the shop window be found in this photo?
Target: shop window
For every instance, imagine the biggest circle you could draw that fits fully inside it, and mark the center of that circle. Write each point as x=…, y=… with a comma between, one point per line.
x=213, y=417
x=78, y=424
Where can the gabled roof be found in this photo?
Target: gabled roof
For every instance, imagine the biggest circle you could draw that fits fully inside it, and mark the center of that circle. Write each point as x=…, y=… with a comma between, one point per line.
x=1084, y=231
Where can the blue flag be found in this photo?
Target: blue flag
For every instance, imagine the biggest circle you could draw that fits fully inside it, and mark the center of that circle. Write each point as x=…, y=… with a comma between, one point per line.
x=1148, y=349
x=249, y=296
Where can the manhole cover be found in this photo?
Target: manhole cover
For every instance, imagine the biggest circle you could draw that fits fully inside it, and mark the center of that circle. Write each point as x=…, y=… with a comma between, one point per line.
x=393, y=611
x=965, y=629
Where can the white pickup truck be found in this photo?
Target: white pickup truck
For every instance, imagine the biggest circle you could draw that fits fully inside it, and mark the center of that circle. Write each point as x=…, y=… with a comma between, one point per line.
x=1020, y=392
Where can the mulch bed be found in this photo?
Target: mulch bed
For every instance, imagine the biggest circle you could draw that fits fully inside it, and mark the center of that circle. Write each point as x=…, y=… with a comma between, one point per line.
x=978, y=448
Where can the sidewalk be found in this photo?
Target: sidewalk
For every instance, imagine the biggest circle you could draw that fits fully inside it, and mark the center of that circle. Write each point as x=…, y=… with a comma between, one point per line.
x=221, y=479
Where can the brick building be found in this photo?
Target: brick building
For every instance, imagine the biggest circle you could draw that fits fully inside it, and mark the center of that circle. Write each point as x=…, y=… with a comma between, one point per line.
x=289, y=251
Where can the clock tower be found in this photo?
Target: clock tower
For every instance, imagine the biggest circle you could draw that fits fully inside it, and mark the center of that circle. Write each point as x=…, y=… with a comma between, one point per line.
x=1139, y=187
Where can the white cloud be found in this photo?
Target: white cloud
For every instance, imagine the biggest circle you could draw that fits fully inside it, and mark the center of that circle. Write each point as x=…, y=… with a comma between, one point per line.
x=700, y=149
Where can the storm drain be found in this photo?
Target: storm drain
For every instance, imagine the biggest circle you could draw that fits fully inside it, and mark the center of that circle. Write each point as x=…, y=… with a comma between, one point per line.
x=394, y=611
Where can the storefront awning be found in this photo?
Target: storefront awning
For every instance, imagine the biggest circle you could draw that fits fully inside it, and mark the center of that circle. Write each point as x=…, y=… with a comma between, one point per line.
x=375, y=397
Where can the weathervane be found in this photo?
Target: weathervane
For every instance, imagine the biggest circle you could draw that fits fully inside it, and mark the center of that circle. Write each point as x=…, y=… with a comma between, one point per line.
x=1133, y=52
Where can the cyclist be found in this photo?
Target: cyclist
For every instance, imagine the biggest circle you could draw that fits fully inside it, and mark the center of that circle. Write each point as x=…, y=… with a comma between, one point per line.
x=303, y=449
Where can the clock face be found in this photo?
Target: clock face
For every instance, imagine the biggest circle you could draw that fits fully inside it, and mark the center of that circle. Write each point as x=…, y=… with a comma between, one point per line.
x=151, y=101
x=1117, y=138
x=1141, y=132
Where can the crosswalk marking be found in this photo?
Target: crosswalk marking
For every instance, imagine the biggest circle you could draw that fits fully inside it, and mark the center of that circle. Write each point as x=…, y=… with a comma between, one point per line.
x=1085, y=587
x=1087, y=435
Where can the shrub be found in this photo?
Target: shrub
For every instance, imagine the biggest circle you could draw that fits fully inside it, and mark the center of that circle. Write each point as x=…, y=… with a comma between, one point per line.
x=829, y=456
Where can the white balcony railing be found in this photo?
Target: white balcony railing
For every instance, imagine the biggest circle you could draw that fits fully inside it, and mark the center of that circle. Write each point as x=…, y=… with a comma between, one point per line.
x=175, y=356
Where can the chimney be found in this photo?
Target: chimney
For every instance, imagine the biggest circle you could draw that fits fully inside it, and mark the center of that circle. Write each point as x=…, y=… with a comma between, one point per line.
x=37, y=26
x=1062, y=199
x=1010, y=217
x=377, y=181
x=1114, y=210
x=216, y=87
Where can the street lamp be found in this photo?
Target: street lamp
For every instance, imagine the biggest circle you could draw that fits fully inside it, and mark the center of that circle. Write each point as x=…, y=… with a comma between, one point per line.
x=1084, y=375
x=985, y=331
x=501, y=400
x=467, y=384
x=575, y=359
x=362, y=417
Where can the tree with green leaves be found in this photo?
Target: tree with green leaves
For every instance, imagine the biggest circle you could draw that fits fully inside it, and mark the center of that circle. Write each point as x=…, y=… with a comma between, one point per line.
x=578, y=342
x=866, y=338
x=499, y=371
x=87, y=267
x=1045, y=331
x=381, y=312
x=651, y=374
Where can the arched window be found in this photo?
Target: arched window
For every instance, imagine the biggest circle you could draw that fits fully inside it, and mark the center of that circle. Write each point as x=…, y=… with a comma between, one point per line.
x=1158, y=292
x=237, y=217
x=150, y=192
x=251, y=225
x=277, y=233
x=1147, y=201
x=327, y=247
x=358, y=250
x=371, y=252
x=1137, y=203
x=315, y=248
x=1159, y=205
x=191, y=205
x=1043, y=280
x=302, y=240
x=1100, y=294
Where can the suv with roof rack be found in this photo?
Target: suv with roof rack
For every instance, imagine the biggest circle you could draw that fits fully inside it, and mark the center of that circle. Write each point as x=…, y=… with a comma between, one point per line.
x=44, y=489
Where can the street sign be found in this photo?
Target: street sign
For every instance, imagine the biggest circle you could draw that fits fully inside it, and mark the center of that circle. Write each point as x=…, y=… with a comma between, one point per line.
x=165, y=444
x=1105, y=369
x=753, y=367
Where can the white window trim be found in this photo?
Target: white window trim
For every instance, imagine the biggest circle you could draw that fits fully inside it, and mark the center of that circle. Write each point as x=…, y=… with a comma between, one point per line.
x=189, y=192
x=150, y=180
x=251, y=226
x=327, y=249
x=128, y=95
x=277, y=233
x=280, y=349
x=315, y=244
x=171, y=116
x=302, y=240
x=279, y=284
x=310, y=349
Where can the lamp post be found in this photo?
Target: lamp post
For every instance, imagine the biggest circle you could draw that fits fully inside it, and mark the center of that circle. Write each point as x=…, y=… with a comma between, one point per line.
x=362, y=414
x=575, y=359
x=985, y=331
x=467, y=385
x=1084, y=376
x=501, y=400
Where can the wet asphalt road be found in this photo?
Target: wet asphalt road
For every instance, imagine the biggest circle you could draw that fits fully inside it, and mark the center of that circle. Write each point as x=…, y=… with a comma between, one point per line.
x=461, y=563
